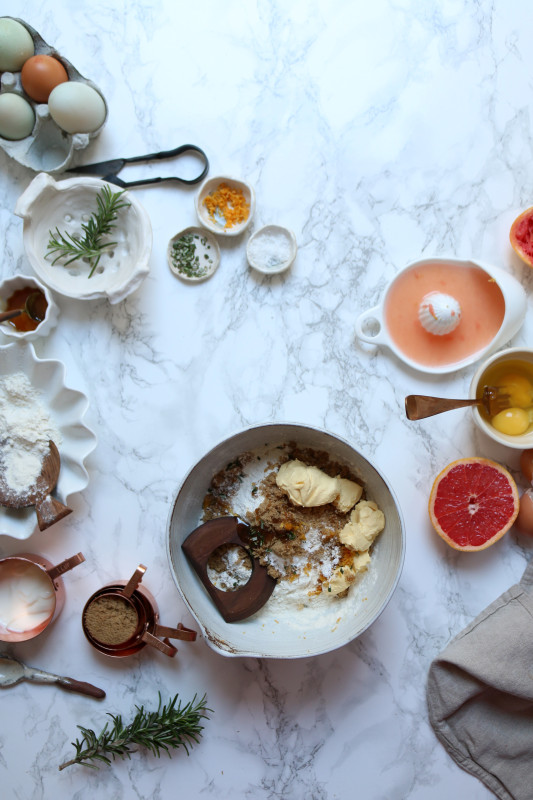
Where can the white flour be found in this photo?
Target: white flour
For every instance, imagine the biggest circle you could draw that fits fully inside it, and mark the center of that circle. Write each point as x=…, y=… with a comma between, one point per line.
x=25, y=430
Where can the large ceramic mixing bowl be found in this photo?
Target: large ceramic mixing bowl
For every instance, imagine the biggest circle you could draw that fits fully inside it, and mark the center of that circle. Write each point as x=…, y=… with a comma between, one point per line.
x=302, y=633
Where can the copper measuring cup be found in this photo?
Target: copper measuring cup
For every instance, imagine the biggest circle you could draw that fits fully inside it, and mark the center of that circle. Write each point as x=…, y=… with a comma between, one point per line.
x=42, y=567
x=133, y=596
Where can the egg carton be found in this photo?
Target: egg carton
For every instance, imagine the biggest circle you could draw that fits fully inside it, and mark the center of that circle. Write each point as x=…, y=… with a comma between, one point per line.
x=48, y=148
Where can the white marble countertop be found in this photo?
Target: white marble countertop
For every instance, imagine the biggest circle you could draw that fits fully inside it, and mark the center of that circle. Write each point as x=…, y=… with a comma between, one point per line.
x=379, y=133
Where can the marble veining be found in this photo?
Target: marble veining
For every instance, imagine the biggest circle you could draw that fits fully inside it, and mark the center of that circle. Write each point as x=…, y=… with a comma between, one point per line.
x=380, y=134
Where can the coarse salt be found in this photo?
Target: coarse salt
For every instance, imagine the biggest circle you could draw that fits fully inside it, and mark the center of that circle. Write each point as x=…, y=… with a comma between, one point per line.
x=269, y=251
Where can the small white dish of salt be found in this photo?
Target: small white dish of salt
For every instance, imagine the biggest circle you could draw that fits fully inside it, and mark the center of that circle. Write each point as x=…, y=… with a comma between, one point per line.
x=271, y=249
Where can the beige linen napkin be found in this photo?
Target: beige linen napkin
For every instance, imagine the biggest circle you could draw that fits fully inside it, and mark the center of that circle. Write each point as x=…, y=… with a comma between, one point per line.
x=480, y=694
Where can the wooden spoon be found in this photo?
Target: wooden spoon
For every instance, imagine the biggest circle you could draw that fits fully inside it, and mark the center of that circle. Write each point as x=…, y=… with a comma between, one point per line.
x=420, y=406
x=48, y=509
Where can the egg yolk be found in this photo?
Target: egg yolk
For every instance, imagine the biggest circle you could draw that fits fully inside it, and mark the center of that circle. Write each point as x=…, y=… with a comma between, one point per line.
x=518, y=387
x=512, y=421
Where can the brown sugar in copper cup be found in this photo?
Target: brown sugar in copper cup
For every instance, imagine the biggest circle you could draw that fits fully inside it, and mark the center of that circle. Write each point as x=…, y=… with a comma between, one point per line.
x=29, y=566
x=122, y=618
x=113, y=623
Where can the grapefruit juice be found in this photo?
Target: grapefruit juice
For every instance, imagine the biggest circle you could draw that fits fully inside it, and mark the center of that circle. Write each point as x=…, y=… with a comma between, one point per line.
x=482, y=306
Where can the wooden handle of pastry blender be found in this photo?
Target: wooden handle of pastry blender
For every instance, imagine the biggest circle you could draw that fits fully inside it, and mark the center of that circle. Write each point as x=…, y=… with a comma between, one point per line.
x=181, y=632
x=164, y=647
x=49, y=511
x=81, y=687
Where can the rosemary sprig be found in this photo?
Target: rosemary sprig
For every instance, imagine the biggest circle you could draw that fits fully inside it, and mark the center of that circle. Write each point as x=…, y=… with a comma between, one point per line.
x=170, y=726
x=89, y=246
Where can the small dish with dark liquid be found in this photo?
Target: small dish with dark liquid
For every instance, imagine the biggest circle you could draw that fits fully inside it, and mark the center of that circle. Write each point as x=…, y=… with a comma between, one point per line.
x=14, y=293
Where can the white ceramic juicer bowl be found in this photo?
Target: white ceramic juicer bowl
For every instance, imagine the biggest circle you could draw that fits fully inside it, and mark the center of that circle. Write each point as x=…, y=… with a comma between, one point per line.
x=371, y=326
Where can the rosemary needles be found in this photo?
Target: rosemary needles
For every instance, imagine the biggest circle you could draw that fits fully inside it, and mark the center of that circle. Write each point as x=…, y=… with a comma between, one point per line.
x=171, y=726
x=91, y=245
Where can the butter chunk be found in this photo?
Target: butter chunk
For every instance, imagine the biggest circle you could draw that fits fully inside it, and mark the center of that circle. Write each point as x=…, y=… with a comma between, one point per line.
x=306, y=486
x=309, y=487
x=343, y=577
x=360, y=562
x=366, y=522
x=349, y=493
x=341, y=580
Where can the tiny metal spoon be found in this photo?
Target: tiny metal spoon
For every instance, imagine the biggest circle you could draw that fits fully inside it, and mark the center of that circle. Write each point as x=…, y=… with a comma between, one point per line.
x=33, y=307
x=420, y=406
x=13, y=672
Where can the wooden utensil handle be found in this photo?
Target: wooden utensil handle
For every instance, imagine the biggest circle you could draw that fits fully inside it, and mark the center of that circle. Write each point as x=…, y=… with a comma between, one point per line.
x=420, y=406
x=49, y=511
x=81, y=687
x=5, y=315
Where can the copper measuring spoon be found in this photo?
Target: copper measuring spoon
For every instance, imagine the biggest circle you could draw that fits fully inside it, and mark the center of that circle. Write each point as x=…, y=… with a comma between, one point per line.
x=420, y=406
x=48, y=509
x=33, y=307
x=13, y=671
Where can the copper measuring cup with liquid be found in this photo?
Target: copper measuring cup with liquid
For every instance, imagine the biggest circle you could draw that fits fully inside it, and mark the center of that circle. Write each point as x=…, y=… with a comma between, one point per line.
x=136, y=608
x=29, y=566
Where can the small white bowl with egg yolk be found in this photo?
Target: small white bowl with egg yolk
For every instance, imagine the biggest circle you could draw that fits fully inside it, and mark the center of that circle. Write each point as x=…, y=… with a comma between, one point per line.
x=511, y=371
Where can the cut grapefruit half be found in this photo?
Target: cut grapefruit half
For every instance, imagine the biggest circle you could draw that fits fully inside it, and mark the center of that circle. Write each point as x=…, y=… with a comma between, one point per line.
x=521, y=236
x=473, y=502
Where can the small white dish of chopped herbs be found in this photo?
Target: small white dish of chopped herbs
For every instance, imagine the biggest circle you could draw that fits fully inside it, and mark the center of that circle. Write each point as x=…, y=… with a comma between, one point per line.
x=193, y=254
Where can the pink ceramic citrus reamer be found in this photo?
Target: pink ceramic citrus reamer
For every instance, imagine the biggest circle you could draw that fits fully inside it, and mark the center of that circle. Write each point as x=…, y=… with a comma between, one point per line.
x=441, y=314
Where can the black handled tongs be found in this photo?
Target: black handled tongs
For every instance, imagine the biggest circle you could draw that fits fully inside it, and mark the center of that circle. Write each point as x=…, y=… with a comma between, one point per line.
x=108, y=170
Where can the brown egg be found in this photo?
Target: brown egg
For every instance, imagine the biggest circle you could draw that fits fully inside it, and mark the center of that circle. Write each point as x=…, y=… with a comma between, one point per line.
x=526, y=464
x=524, y=520
x=41, y=74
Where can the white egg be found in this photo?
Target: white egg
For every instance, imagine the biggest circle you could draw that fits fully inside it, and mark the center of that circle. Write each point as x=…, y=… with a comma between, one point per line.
x=17, y=117
x=76, y=107
x=16, y=45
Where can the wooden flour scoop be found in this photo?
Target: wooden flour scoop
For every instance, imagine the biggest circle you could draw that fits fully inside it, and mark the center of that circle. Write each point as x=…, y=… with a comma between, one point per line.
x=199, y=546
x=48, y=509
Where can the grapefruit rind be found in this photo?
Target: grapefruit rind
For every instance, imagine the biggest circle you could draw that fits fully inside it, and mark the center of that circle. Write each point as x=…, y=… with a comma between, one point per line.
x=445, y=508
x=521, y=236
